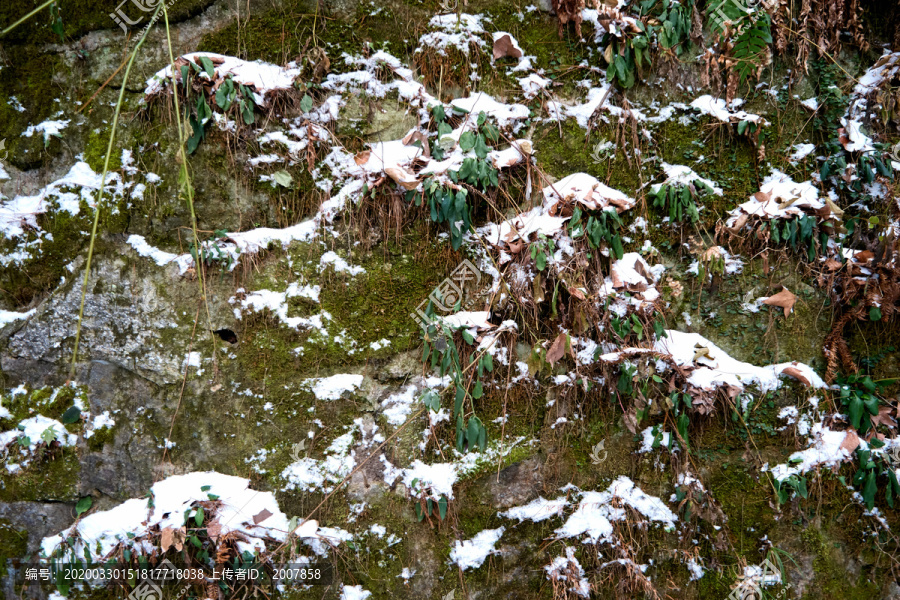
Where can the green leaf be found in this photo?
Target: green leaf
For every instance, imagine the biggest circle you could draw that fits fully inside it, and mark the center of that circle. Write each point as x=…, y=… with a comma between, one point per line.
x=49, y=435
x=869, y=490
x=283, y=178
x=467, y=141
x=83, y=505
x=306, y=103
x=198, y=517
x=742, y=127
x=71, y=415
x=477, y=392
x=481, y=149
x=437, y=111
x=208, y=66
x=874, y=314
x=442, y=507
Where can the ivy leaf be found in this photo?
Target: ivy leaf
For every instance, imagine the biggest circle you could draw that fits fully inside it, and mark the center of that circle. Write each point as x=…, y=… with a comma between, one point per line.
x=306, y=103
x=71, y=416
x=442, y=507
x=208, y=66
x=874, y=314
x=466, y=142
x=481, y=149
x=869, y=490
x=84, y=505
x=198, y=518
x=49, y=435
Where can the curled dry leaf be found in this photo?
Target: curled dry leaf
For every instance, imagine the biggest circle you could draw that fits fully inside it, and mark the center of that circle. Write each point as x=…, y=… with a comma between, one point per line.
x=417, y=136
x=172, y=537
x=797, y=374
x=701, y=352
x=504, y=46
x=362, y=158
x=214, y=530
x=403, y=177
x=784, y=299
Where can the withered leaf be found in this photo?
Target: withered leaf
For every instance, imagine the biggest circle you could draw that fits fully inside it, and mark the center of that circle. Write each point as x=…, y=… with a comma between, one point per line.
x=763, y=196
x=362, y=158
x=557, y=349
x=417, y=136
x=403, y=177
x=851, y=441
x=504, y=46
x=214, y=530
x=631, y=421
x=261, y=516
x=884, y=417
x=577, y=293
x=172, y=537
x=701, y=352
x=797, y=374
x=516, y=246
x=784, y=299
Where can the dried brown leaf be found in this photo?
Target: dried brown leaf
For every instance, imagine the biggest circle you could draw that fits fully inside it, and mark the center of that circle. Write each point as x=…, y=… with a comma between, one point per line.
x=797, y=374
x=504, y=46
x=261, y=516
x=557, y=349
x=784, y=299
x=851, y=441
x=362, y=158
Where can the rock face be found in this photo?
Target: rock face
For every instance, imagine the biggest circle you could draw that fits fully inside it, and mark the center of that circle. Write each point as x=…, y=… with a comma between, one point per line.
x=498, y=327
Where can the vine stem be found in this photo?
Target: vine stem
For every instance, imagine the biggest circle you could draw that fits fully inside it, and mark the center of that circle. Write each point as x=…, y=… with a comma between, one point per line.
x=189, y=187
x=109, y=149
x=28, y=16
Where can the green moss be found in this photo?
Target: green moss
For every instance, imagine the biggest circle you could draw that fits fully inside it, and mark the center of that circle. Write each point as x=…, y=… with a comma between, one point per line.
x=264, y=37
x=95, y=152
x=101, y=437
x=831, y=580
x=52, y=476
x=13, y=544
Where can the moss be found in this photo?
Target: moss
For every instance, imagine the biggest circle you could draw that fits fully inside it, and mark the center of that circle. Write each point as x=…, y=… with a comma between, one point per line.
x=100, y=438
x=831, y=578
x=52, y=476
x=95, y=152
x=264, y=37
x=13, y=544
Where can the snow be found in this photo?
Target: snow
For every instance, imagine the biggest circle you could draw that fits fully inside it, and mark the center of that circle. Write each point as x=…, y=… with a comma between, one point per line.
x=801, y=151
x=859, y=142
x=824, y=451
x=718, y=109
x=7, y=316
x=718, y=368
x=263, y=77
x=537, y=510
x=47, y=128
x=332, y=388
x=237, y=506
x=435, y=480
x=453, y=31
x=32, y=428
x=20, y=212
x=533, y=84
x=339, y=264
x=786, y=198
x=505, y=114
x=597, y=510
x=681, y=175
x=354, y=592
x=560, y=568
x=588, y=191
x=472, y=553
